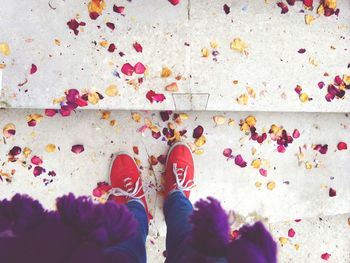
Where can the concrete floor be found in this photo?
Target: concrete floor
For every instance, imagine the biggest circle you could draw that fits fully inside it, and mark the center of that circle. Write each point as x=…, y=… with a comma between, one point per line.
x=299, y=193
x=275, y=78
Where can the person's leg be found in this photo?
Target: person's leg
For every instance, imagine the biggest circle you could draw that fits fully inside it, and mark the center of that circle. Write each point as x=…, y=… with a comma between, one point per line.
x=177, y=209
x=135, y=248
x=127, y=189
x=179, y=173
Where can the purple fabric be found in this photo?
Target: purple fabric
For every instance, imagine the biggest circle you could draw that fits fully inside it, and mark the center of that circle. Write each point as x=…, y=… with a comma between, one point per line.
x=77, y=232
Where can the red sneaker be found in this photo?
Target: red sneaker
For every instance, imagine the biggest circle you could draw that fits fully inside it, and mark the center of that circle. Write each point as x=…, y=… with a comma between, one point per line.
x=125, y=180
x=179, y=169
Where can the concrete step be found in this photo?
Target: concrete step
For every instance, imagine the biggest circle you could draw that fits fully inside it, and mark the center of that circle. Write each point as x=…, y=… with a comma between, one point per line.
x=266, y=73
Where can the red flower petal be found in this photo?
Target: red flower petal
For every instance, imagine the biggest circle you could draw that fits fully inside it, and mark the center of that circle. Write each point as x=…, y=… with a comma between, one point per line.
x=291, y=2
x=301, y=51
x=227, y=152
x=135, y=149
x=338, y=80
x=308, y=3
x=32, y=123
x=127, y=69
x=72, y=95
x=118, y=9
x=139, y=68
x=239, y=161
x=15, y=151
x=263, y=172
x=78, y=148
x=296, y=134
x=226, y=9
x=33, y=69
x=81, y=102
x=165, y=115
x=329, y=97
x=156, y=135
x=38, y=170
x=325, y=256
x=74, y=25
x=111, y=48
x=65, y=111
x=332, y=192
x=174, y=2
x=198, y=131
x=110, y=25
x=94, y=15
x=137, y=46
x=291, y=232
x=36, y=160
x=283, y=6
x=324, y=149
x=50, y=112
x=342, y=146
x=298, y=89
x=281, y=149
x=52, y=173
x=152, y=96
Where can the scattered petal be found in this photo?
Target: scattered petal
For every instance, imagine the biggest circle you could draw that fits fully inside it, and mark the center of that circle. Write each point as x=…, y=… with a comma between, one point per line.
x=239, y=45
x=174, y=2
x=281, y=149
x=332, y=192
x=118, y=9
x=291, y=232
x=110, y=25
x=240, y=162
x=36, y=160
x=283, y=6
x=137, y=46
x=226, y=9
x=5, y=49
x=198, y=131
x=271, y=185
x=78, y=148
x=342, y=146
x=15, y=151
x=50, y=148
x=112, y=91
x=219, y=119
x=152, y=96
x=301, y=51
x=227, y=152
x=296, y=134
x=111, y=48
x=325, y=256
x=50, y=112
x=127, y=69
x=309, y=19
x=200, y=141
x=139, y=68
x=33, y=69
x=9, y=130
x=172, y=87
x=38, y=170
x=166, y=72
x=263, y=172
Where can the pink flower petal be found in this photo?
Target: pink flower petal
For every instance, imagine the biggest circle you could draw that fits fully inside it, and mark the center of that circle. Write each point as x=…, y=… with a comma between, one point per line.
x=240, y=162
x=94, y=15
x=332, y=192
x=118, y=9
x=81, y=102
x=342, y=146
x=137, y=46
x=97, y=192
x=139, y=68
x=72, y=95
x=156, y=135
x=38, y=170
x=152, y=96
x=33, y=69
x=65, y=111
x=36, y=160
x=78, y=148
x=324, y=149
x=162, y=158
x=291, y=232
x=338, y=80
x=320, y=84
x=281, y=149
x=174, y=2
x=50, y=112
x=165, y=115
x=263, y=172
x=296, y=134
x=127, y=69
x=227, y=152
x=198, y=132
x=32, y=123
x=325, y=256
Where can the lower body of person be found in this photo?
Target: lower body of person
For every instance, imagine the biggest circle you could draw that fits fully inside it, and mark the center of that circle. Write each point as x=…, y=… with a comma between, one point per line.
x=178, y=182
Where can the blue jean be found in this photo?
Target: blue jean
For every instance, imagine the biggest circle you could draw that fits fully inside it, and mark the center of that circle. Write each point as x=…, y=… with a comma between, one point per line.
x=177, y=209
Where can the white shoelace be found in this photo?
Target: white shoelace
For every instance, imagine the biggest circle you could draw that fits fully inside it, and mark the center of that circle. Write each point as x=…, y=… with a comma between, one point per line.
x=131, y=192
x=181, y=185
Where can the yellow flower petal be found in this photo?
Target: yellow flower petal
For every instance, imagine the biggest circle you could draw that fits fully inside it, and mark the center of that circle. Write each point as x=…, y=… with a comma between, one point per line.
x=112, y=91
x=26, y=152
x=93, y=98
x=200, y=141
x=57, y=42
x=96, y=6
x=136, y=116
x=8, y=129
x=105, y=115
x=256, y=163
x=251, y=92
x=231, y=122
x=34, y=116
x=239, y=45
x=250, y=120
x=243, y=99
x=320, y=9
x=271, y=185
x=205, y=52
x=309, y=19
x=331, y=3
x=214, y=44
x=258, y=184
x=303, y=97
x=166, y=72
x=308, y=165
x=199, y=151
x=5, y=49
x=113, y=123
x=283, y=240
x=104, y=43
x=50, y=148
x=219, y=119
